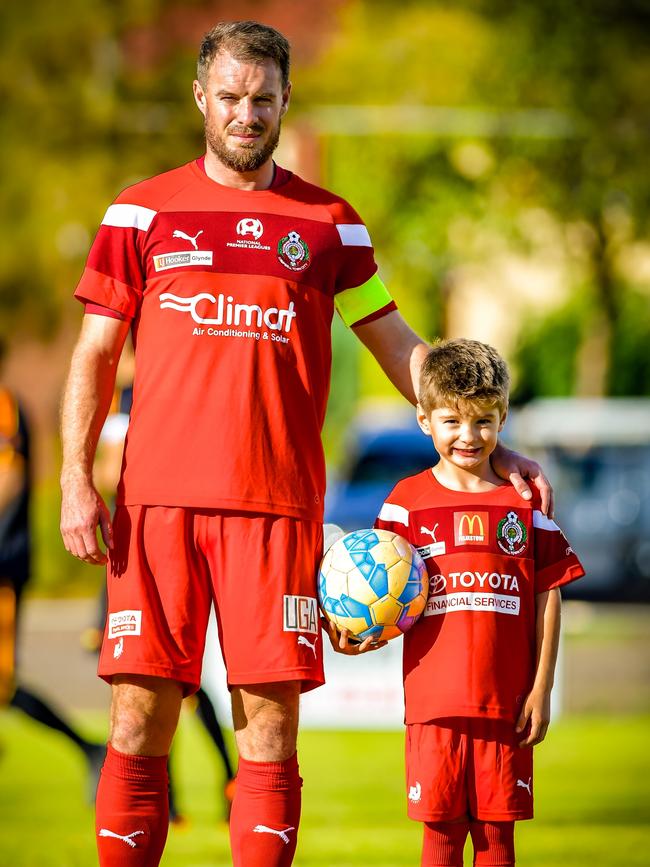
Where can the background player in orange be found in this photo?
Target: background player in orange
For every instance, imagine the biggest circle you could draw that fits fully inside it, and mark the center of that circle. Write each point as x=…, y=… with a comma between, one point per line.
x=228, y=269
x=479, y=665
x=15, y=572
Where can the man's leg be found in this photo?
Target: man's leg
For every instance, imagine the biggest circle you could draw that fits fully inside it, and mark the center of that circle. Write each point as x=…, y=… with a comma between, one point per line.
x=131, y=809
x=266, y=809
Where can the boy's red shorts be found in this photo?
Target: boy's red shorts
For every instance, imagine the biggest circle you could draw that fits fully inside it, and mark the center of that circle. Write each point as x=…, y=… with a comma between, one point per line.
x=464, y=766
x=167, y=566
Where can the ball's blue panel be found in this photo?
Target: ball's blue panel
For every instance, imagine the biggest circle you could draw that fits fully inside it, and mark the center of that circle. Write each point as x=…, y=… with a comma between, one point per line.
x=352, y=608
x=322, y=587
x=333, y=606
x=360, y=540
x=373, y=630
x=379, y=580
x=364, y=562
x=412, y=589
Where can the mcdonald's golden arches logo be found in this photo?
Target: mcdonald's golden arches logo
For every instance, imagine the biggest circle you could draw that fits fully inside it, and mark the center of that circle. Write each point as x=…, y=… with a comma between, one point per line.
x=471, y=528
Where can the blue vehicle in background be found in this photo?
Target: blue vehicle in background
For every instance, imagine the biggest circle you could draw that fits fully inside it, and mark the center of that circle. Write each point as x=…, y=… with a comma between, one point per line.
x=381, y=450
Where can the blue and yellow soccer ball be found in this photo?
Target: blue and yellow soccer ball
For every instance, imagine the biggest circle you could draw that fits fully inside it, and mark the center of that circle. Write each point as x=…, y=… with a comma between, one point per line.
x=373, y=583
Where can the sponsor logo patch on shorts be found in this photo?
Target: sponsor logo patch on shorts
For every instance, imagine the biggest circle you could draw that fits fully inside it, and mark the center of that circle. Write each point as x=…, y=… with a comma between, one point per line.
x=124, y=623
x=301, y=614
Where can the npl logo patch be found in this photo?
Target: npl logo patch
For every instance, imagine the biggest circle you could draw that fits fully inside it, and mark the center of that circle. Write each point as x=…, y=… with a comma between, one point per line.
x=471, y=528
x=124, y=623
x=301, y=614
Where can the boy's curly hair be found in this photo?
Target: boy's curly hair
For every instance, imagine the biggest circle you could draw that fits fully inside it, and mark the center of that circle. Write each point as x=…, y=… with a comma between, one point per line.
x=458, y=372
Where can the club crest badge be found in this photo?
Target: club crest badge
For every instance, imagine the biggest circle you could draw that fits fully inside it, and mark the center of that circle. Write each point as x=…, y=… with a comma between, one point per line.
x=293, y=253
x=512, y=536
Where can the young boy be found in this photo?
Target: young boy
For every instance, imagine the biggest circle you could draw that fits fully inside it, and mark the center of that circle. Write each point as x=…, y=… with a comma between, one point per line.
x=478, y=666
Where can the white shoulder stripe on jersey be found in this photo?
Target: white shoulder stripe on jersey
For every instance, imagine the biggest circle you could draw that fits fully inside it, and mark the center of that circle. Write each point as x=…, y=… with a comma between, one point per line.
x=391, y=512
x=129, y=217
x=543, y=523
x=354, y=235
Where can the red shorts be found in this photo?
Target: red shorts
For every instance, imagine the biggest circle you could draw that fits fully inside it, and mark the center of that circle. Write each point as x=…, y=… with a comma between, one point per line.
x=169, y=564
x=465, y=766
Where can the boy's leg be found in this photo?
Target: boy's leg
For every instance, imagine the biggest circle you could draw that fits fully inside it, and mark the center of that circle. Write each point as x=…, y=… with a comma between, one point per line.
x=443, y=843
x=494, y=843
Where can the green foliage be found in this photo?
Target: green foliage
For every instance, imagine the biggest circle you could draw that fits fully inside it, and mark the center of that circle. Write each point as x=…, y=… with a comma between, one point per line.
x=629, y=373
x=545, y=358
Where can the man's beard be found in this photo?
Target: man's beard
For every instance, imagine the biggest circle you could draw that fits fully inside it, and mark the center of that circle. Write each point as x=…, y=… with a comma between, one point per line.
x=243, y=159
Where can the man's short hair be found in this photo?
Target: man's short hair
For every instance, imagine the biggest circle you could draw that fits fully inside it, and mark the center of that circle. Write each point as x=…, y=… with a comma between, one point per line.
x=461, y=372
x=248, y=41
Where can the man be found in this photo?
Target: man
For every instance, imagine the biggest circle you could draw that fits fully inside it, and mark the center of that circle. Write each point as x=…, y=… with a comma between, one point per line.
x=228, y=269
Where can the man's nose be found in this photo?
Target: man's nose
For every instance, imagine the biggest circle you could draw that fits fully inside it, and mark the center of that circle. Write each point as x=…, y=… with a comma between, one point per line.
x=245, y=112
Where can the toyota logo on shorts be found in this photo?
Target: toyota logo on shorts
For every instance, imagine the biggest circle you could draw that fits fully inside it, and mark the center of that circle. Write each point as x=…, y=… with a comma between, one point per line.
x=250, y=226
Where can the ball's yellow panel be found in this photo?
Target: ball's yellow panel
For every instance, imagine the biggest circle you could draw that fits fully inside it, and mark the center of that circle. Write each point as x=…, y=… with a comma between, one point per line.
x=386, y=611
x=359, y=589
x=402, y=547
x=386, y=553
x=398, y=575
x=337, y=583
x=354, y=625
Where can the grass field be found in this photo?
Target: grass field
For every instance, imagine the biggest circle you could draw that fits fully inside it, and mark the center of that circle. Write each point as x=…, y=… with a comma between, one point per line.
x=592, y=794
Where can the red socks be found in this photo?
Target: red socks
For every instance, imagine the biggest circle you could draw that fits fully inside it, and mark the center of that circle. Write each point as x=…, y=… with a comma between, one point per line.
x=265, y=813
x=131, y=810
x=443, y=844
x=494, y=843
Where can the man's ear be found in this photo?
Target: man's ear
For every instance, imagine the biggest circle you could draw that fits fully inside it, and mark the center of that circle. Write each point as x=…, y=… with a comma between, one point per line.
x=199, y=97
x=504, y=416
x=286, y=99
x=423, y=420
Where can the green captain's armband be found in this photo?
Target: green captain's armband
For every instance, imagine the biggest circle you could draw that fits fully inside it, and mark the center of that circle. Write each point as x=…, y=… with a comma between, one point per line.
x=360, y=301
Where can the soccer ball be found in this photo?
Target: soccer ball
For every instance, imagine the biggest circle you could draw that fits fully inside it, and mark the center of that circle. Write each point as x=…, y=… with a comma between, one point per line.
x=373, y=583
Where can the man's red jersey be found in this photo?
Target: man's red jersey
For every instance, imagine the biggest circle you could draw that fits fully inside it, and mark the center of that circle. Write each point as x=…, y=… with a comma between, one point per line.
x=473, y=651
x=231, y=294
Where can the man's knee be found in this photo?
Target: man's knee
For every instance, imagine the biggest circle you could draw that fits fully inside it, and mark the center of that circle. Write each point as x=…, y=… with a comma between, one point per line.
x=144, y=714
x=265, y=717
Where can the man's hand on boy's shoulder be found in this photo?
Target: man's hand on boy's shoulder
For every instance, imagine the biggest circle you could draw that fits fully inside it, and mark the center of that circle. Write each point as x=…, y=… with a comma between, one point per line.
x=340, y=641
x=517, y=469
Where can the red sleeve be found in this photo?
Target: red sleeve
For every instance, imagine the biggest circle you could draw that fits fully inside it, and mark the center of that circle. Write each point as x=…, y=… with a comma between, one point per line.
x=114, y=274
x=555, y=561
x=99, y=310
x=357, y=258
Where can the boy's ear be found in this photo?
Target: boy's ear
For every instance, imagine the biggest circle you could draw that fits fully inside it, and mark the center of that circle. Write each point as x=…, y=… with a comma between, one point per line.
x=504, y=416
x=423, y=420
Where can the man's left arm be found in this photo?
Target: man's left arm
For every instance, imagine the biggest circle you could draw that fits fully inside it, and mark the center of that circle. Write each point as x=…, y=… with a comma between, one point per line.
x=400, y=353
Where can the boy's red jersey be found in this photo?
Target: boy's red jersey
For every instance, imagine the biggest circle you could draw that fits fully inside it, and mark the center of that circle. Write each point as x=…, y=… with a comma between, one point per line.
x=231, y=294
x=472, y=653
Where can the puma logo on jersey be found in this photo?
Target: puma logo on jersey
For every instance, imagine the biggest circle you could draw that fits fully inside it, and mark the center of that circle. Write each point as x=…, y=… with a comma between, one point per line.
x=435, y=549
x=415, y=793
x=178, y=234
x=128, y=839
x=119, y=648
x=307, y=643
x=522, y=785
x=264, y=829
x=429, y=532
